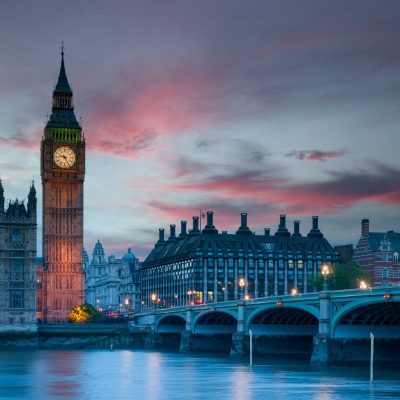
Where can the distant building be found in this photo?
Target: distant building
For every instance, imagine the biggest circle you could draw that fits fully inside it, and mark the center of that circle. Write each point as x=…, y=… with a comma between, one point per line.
x=112, y=284
x=18, y=263
x=129, y=290
x=207, y=266
x=345, y=252
x=378, y=254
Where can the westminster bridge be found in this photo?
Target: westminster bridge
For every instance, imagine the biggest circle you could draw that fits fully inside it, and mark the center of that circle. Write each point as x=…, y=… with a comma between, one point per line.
x=328, y=326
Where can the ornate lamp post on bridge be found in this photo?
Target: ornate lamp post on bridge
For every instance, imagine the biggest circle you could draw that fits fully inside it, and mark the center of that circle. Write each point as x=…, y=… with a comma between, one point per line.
x=325, y=271
x=154, y=300
x=242, y=284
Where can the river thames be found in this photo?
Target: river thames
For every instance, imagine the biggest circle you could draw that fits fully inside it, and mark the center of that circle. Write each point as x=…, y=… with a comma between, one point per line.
x=125, y=374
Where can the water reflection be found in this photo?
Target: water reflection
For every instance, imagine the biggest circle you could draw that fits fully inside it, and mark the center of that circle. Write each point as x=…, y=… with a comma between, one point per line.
x=139, y=375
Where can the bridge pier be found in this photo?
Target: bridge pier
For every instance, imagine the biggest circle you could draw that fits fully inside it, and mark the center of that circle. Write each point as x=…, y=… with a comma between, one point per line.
x=238, y=345
x=150, y=340
x=239, y=337
x=322, y=343
x=186, y=337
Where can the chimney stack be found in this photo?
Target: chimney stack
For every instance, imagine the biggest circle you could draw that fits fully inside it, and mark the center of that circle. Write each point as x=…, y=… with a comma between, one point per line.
x=315, y=222
x=365, y=227
x=297, y=228
x=210, y=228
x=267, y=231
x=243, y=229
x=282, y=221
x=172, y=232
x=282, y=230
x=183, y=228
x=315, y=232
x=243, y=220
x=195, y=230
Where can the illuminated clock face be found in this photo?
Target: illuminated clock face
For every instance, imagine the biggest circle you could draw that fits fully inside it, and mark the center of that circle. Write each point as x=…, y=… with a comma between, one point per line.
x=64, y=157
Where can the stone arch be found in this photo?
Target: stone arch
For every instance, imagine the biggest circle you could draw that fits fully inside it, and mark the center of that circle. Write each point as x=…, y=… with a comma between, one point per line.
x=171, y=324
x=357, y=319
x=305, y=308
x=215, y=322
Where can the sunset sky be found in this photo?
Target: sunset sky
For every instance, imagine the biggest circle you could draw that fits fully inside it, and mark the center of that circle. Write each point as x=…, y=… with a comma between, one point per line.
x=265, y=107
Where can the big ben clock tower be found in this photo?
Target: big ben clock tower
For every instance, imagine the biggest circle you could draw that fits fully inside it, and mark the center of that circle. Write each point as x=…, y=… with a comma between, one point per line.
x=63, y=172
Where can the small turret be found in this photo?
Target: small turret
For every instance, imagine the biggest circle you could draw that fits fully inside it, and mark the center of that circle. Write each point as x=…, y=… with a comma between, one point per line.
x=32, y=201
x=1, y=198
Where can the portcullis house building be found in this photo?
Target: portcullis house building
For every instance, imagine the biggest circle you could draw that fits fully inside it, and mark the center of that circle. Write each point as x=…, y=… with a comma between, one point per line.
x=196, y=266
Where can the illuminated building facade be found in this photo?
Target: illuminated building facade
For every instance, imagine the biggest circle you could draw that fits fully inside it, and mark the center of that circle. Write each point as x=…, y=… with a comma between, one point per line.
x=378, y=254
x=207, y=266
x=112, y=283
x=18, y=227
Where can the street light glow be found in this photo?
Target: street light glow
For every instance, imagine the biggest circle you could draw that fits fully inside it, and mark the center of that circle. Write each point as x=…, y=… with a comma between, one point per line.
x=363, y=285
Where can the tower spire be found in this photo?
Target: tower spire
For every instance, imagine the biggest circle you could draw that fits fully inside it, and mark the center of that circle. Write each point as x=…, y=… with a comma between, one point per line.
x=62, y=86
x=62, y=113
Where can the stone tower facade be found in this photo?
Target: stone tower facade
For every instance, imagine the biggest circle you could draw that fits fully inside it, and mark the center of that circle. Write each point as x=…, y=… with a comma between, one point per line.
x=18, y=227
x=63, y=172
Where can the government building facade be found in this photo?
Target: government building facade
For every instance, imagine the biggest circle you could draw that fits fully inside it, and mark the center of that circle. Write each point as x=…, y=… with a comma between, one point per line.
x=206, y=266
x=18, y=228
x=378, y=254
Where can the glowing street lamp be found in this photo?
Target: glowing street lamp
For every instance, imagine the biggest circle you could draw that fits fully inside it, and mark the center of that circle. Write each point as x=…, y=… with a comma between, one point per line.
x=325, y=271
x=242, y=283
x=190, y=292
x=154, y=299
x=294, y=292
x=363, y=285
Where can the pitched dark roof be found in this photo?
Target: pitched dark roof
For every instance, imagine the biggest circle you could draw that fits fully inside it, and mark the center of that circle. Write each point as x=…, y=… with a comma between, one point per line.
x=16, y=209
x=223, y=244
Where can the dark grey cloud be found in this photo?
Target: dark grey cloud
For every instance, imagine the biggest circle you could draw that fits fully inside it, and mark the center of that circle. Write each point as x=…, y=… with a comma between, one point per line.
x=315, y=155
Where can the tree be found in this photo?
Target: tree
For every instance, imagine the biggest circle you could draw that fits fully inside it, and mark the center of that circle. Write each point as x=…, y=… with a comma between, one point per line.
x=347, y=275
x=83, y=313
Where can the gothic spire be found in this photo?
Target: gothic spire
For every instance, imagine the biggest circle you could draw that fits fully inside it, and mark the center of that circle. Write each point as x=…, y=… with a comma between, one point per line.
x=62, y=113
x=62, y=83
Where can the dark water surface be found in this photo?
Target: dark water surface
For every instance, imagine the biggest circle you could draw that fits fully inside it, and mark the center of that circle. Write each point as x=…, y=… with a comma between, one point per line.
x=125, y=374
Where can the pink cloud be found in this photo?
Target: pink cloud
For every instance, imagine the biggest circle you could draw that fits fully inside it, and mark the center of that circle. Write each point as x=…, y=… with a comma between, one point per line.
x=128, y=120
x=315, y=155
x=339, y=191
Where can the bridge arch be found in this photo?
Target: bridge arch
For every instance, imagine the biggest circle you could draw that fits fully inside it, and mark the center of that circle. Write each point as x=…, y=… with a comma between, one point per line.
x=171, y=324
x=313, y=311
x=275, y=327
x=215, y=322
x=359, y=318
